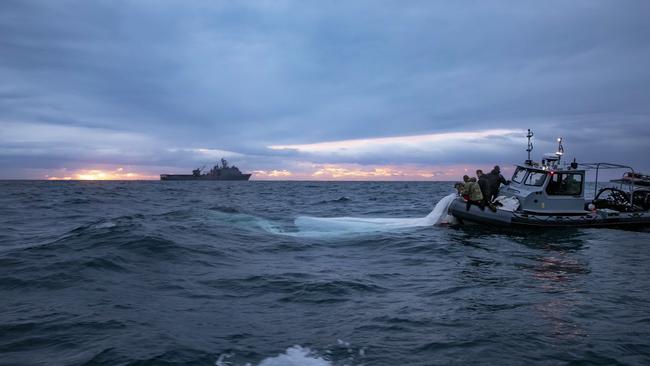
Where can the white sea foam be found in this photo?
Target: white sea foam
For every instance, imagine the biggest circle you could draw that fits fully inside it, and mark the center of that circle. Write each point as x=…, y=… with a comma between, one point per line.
x=221, y=361
x=293, y=356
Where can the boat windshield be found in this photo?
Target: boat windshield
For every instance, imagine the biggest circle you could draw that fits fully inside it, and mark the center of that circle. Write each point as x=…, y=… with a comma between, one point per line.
x=519, y=175
x=535, y=179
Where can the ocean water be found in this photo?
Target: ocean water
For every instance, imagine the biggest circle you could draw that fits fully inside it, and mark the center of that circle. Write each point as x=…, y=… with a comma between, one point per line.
x=304, y=273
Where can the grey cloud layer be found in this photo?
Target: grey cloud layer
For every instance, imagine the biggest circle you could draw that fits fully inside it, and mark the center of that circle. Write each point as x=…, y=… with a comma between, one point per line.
x=240, y=76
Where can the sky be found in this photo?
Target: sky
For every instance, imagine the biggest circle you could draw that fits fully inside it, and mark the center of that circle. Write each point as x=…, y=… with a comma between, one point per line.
x=343, y=90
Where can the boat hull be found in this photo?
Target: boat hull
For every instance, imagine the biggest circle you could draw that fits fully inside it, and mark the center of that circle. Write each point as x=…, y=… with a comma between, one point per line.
x=504, y=218
x=203, y=177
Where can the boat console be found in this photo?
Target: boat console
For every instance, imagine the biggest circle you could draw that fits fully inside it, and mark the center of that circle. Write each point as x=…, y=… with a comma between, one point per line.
x=540, y=189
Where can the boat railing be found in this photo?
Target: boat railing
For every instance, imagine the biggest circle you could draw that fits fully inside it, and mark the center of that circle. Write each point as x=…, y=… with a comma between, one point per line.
x=598, y=166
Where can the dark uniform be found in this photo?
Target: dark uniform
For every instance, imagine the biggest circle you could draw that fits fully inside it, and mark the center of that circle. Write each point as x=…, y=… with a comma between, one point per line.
x=494, y=179
x=484, y=184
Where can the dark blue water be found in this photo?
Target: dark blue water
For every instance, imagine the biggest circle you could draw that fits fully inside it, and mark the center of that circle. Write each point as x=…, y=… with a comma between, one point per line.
x=205, y=273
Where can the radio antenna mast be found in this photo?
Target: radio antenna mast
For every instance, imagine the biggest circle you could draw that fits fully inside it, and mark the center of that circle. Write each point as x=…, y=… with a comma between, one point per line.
x=530, y=146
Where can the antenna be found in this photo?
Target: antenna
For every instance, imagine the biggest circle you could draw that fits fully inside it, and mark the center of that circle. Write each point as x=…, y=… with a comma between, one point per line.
x=530, y=146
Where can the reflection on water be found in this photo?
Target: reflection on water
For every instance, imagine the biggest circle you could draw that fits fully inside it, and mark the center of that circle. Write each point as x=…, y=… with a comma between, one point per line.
x=559, y=271
x=551, y=264
x=560, y=239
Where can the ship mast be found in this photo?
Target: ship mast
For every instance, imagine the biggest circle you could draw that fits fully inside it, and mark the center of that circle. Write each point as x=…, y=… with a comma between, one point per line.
x=530, y=147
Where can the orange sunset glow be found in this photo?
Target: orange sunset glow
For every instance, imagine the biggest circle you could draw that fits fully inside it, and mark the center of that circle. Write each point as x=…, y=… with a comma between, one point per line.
x=99, y=174
x=304, y=171
x=343, y=172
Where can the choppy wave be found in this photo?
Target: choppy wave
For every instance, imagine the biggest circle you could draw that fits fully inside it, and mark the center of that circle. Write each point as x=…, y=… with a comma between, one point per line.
x=179, y=273
x=342, y=199
x=293, y=356
x=224, y=209
x=339, y=353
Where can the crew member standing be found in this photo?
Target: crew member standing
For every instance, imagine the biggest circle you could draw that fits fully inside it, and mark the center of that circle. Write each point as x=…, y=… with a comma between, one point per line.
x=495, y=179
x=472, y=192
x=485, y=189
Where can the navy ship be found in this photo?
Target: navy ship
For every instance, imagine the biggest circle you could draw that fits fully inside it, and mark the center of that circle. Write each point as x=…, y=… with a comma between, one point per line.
x=223, y=172
x=552, y=194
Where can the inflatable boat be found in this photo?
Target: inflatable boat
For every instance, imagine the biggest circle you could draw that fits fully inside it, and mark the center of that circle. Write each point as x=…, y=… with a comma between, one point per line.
x=552, y=194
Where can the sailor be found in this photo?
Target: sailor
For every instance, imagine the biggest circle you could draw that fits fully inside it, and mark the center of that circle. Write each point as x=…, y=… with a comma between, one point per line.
x=463, y=188
x=483, y=183
x=472, y=192
x=485, y=189
x=495, y=179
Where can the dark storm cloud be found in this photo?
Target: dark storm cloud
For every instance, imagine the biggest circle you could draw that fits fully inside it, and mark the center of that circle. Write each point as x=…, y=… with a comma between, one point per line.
x=152, y=83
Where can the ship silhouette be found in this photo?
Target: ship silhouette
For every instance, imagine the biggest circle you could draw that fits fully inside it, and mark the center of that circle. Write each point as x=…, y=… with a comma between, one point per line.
x=223, y=172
